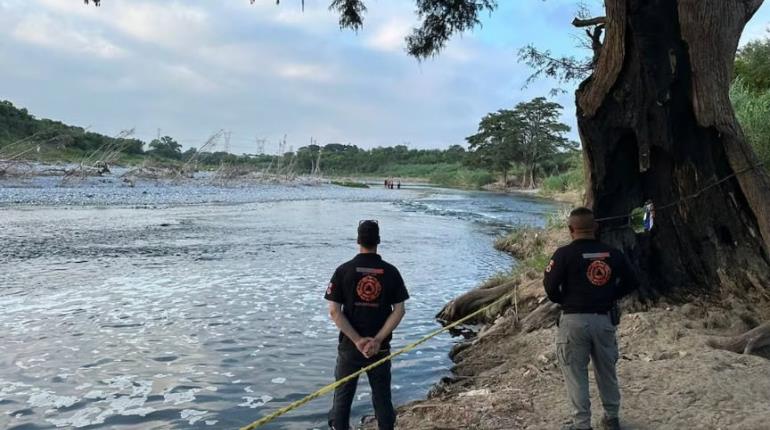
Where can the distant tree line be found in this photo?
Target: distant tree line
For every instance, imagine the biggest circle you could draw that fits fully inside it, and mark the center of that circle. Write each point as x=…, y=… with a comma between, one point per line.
x=526, y=143
x=17, y=124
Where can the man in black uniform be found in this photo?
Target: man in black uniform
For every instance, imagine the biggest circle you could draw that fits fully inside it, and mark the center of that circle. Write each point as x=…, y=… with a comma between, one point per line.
x=366, y=301
x=586, y=278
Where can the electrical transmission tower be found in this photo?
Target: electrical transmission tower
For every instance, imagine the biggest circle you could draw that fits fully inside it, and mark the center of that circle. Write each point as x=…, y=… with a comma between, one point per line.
x=227, y=140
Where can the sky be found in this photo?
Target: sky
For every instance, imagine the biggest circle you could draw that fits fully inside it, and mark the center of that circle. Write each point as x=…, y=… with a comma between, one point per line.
x=188, y=68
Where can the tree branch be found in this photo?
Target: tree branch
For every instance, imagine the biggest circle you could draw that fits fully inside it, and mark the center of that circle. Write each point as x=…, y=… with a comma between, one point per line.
x=580, y=23
x=752, y=7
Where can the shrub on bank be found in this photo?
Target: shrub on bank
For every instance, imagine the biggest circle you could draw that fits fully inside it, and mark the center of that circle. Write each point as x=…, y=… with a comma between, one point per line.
x=571, y=180
x=753, y=111
x=462, y=177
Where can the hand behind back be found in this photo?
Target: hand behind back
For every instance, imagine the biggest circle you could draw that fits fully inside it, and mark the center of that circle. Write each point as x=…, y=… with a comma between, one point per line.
x=372, y=348
x=362, y=345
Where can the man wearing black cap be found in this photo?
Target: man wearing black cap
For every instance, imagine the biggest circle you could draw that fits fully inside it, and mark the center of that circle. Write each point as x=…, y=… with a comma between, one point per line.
x=586, y=278
x=366, y=301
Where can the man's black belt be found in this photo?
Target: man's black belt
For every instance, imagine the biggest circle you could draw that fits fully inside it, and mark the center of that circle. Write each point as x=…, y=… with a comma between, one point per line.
x=586, y=312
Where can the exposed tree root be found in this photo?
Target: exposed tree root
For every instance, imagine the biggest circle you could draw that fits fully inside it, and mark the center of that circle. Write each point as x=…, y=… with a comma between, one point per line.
x=543, y=317
x=473, y=300
x=745, y=343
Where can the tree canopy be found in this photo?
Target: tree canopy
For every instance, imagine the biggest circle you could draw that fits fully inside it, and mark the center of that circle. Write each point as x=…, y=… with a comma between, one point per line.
x=166, y=147
x=529, y=136
x=752, y=65
x=18, y=124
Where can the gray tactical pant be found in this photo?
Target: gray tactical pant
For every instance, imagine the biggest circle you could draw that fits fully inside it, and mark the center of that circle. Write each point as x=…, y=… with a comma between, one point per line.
x=580, y=338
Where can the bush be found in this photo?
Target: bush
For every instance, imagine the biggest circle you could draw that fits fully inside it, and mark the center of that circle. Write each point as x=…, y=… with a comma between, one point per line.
x=571, y=180
x=463, y=177
x=753, y=112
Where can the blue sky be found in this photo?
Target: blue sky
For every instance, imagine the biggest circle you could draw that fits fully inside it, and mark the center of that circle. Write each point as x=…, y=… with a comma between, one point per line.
x=193, y=67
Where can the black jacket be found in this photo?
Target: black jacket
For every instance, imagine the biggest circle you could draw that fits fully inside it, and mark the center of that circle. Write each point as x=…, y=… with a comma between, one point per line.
x=588, y=276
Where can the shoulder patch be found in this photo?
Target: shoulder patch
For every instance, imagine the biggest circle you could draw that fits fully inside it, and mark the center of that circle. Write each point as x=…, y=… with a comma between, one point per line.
x=330, y=288
x=549, y=267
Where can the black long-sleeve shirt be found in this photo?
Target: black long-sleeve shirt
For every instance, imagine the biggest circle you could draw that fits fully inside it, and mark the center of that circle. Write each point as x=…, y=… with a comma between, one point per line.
x=588, y=276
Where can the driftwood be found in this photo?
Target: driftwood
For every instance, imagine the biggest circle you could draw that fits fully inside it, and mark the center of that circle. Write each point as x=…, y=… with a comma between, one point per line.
x=472, y=301
x=745, y=343
x=543, y=316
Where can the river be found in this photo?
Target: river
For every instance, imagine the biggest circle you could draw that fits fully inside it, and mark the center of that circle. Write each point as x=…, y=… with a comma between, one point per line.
x=175, y=306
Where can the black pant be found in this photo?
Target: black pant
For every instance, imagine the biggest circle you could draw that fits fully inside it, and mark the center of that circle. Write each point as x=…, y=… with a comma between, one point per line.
x=350, y=360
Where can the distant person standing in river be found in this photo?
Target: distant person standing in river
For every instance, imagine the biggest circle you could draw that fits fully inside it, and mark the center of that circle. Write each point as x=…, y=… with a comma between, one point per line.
x=587, y=278
x=366, y=301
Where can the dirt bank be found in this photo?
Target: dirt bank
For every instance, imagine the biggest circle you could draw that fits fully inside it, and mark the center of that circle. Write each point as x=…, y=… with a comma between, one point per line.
x=507, y=378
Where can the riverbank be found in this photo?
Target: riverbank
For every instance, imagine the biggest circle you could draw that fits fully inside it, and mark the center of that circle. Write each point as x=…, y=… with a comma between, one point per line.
x=506, y=376
x=572, y=195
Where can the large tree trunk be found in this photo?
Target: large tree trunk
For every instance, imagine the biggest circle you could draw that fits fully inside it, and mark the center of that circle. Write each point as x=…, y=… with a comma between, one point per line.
x=656, y=123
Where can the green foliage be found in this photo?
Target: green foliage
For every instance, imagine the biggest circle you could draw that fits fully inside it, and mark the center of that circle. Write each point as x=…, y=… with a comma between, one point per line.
x=48, y=136
x=440, y=20
x=166, y=147
x=752, y=66
x=496, y=145
x=536, y=263
x=521, y=242
x=530, y=137
x=571, y=180
x=462, y=177
x=340, y=159
x=753, y=112
x=637, y=220
x=557, y=220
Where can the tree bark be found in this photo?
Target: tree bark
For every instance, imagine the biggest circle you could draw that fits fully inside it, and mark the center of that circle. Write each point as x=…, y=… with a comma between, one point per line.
x=656, y=123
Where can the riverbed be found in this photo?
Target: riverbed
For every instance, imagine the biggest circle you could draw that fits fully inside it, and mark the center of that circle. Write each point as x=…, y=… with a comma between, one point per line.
x=190, y=306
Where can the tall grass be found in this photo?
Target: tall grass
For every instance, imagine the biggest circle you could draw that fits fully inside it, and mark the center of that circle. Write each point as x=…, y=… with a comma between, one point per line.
x=753, y=112
x=571, y=180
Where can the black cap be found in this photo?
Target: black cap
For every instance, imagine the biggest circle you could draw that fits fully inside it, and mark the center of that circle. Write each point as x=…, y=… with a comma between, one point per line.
x=368, y=233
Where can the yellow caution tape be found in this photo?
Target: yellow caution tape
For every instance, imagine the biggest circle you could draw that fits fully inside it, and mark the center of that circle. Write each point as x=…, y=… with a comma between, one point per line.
x=331, y=387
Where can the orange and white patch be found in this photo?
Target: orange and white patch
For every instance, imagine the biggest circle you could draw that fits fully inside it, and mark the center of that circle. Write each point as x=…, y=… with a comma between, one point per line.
x=369, y=288
x=599, y=273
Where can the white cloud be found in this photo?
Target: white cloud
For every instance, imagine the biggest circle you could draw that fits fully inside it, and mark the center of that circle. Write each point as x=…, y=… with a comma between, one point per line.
x=185, y=78
x=316, y=18
x=166, y=23
x=172, y=25
x=390, y=36
x=41, y=30
x=305, y=72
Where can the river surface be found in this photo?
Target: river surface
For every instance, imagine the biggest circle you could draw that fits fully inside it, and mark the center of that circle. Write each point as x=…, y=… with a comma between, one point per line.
x=176, y=306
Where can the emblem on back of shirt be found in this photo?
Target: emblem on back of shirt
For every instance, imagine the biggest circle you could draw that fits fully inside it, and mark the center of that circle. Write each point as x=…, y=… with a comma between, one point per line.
x=369, y=288
x=599, y=273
